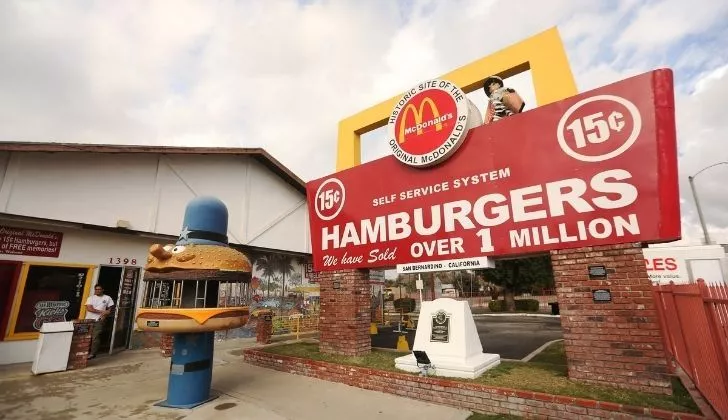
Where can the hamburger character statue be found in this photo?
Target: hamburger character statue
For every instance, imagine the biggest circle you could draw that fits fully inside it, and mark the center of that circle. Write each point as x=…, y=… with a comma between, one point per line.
x=503, y=101
x=195, y=287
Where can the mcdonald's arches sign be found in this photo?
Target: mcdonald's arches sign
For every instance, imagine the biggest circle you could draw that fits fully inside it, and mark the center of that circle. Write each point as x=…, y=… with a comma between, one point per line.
x=430, y=122
x=598, y=168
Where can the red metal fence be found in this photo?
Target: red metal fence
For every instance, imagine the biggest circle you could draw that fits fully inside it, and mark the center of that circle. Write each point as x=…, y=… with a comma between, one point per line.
x=694, y=321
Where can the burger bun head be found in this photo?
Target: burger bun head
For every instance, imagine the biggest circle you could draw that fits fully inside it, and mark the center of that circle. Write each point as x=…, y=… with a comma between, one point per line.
x=169, y=257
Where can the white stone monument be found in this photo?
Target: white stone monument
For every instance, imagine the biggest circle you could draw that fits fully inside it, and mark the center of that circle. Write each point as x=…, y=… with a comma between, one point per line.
x=446, y=332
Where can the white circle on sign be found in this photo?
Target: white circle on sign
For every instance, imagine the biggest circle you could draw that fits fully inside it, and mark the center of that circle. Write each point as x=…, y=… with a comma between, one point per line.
x=420, y=142
x=329, y=206
x=636, y=128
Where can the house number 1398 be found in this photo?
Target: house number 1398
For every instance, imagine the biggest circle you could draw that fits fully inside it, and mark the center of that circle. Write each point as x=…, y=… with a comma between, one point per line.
x=122, y=260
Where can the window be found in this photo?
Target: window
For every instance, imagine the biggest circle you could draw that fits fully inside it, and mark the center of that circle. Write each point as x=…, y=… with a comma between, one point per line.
x=48, y=293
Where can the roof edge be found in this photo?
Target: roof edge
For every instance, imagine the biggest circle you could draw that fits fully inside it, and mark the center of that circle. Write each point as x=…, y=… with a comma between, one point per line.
x=257, y=152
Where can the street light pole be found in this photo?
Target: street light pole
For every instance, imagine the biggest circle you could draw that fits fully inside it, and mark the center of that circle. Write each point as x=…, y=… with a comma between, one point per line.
x=691, y=179
x=706, y=236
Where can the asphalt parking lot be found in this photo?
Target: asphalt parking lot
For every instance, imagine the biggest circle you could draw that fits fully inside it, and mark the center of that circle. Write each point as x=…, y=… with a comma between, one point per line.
x=516, y=337
x=513, y=337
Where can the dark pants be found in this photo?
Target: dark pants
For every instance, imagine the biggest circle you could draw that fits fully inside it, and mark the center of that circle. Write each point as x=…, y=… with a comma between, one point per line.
x=96, y=336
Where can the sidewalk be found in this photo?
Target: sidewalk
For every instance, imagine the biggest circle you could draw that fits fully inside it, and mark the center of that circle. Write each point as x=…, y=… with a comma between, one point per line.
x=125, y=386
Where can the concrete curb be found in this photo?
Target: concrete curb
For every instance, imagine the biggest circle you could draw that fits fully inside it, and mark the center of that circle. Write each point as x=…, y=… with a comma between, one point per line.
x=539, y=350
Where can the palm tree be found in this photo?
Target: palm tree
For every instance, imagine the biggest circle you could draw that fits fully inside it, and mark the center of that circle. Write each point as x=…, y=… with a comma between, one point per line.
x=283, y=264
x=267, y=265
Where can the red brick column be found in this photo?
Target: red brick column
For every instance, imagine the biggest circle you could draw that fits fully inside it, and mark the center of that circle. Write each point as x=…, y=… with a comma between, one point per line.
x=616, y=343
x=80, y=344
x=264, y=328
x=377, y=315
x=345, y=315
x=165, y=345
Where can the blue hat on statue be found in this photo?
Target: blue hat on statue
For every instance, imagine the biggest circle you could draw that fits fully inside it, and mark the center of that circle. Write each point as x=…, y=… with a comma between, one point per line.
x=205, y=223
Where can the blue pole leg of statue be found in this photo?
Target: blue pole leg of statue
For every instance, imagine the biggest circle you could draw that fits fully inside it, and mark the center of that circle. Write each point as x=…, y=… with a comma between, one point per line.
x=190, y=375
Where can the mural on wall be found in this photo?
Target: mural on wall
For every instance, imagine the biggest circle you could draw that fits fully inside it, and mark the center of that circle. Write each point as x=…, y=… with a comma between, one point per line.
x=281, y=283
x=277, y=275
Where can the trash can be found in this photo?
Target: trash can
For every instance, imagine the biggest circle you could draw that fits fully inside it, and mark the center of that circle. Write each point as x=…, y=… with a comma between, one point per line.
x=54, y=345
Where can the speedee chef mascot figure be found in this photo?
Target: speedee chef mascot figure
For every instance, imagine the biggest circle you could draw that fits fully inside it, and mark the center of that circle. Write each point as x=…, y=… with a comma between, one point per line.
x=503, y=101
x=195, y=287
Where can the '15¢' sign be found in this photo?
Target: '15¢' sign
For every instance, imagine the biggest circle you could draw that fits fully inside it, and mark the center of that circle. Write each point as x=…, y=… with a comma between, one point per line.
x=595, y=169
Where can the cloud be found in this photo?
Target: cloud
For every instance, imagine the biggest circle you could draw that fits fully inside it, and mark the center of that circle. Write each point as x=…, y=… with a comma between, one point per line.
x=661, y=24
x=282, y=74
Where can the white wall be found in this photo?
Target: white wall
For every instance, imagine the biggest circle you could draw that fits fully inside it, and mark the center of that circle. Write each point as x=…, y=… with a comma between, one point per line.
x=87, y=247
x=17, y=351
x=80, y=187
x=78, y=247
x=150, y=191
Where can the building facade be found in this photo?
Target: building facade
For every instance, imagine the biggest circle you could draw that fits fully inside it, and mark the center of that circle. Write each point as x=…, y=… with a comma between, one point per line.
x=72, y=216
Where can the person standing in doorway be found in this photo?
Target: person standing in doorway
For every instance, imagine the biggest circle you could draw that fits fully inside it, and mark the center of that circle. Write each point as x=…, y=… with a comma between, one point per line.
x=98, y=308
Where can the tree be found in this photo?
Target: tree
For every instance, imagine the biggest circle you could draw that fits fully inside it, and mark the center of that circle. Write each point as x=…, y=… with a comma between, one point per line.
x=283, y=264
x=467, y=282
x=407, y=281
x=296, y=279
x=520, y=275
x=266, y=265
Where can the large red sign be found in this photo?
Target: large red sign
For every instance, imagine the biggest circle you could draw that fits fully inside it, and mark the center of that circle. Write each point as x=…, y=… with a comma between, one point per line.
x=598, y=168
x=36, y=243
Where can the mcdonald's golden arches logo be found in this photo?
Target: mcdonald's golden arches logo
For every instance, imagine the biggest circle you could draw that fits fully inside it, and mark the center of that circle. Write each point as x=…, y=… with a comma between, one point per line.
x=419, y=126
x=429, y=123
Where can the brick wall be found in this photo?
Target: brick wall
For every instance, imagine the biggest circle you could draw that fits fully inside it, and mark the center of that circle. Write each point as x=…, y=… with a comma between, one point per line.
x=471, y=396
x=618, y=343
x=264, y=328
x=165, y=345
x=80, y=344
x=145, y=340
x=345, y=316
x=376, y=315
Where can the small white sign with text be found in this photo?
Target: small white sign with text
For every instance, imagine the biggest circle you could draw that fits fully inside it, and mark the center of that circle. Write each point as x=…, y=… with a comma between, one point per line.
x=446, y=265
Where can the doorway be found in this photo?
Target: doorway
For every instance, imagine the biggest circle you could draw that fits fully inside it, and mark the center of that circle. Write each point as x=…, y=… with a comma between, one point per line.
x=9, y=272
x=120, y=283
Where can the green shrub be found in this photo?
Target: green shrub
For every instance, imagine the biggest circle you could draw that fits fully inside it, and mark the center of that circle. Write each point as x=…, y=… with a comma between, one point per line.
x=497, y=305
x=528, y=305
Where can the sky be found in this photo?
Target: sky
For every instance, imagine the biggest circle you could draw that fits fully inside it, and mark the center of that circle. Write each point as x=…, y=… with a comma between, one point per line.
x=281, y=74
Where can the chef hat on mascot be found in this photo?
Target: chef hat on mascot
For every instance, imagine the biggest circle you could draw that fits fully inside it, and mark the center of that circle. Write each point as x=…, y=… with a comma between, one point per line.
x=205, y=223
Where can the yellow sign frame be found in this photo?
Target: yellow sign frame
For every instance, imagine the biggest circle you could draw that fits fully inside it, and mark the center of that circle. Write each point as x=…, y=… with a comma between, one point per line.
x=543, y=54
x=10, y=334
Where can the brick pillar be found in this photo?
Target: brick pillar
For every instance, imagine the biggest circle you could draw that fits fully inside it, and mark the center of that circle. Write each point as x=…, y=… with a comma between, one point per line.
x=617, y=343
x=165, y=345
x=345, y=316
x=377, y=312
x=80, y=344
x=264, y=328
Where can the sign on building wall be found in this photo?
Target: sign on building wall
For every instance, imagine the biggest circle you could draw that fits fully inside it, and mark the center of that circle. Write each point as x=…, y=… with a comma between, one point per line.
x=310, y=274
x=595, y=169
x=30, y=242
x=684, y=265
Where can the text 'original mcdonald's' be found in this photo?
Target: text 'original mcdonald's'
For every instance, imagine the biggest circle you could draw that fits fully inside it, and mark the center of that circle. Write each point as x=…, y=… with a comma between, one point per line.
x=430, y=122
